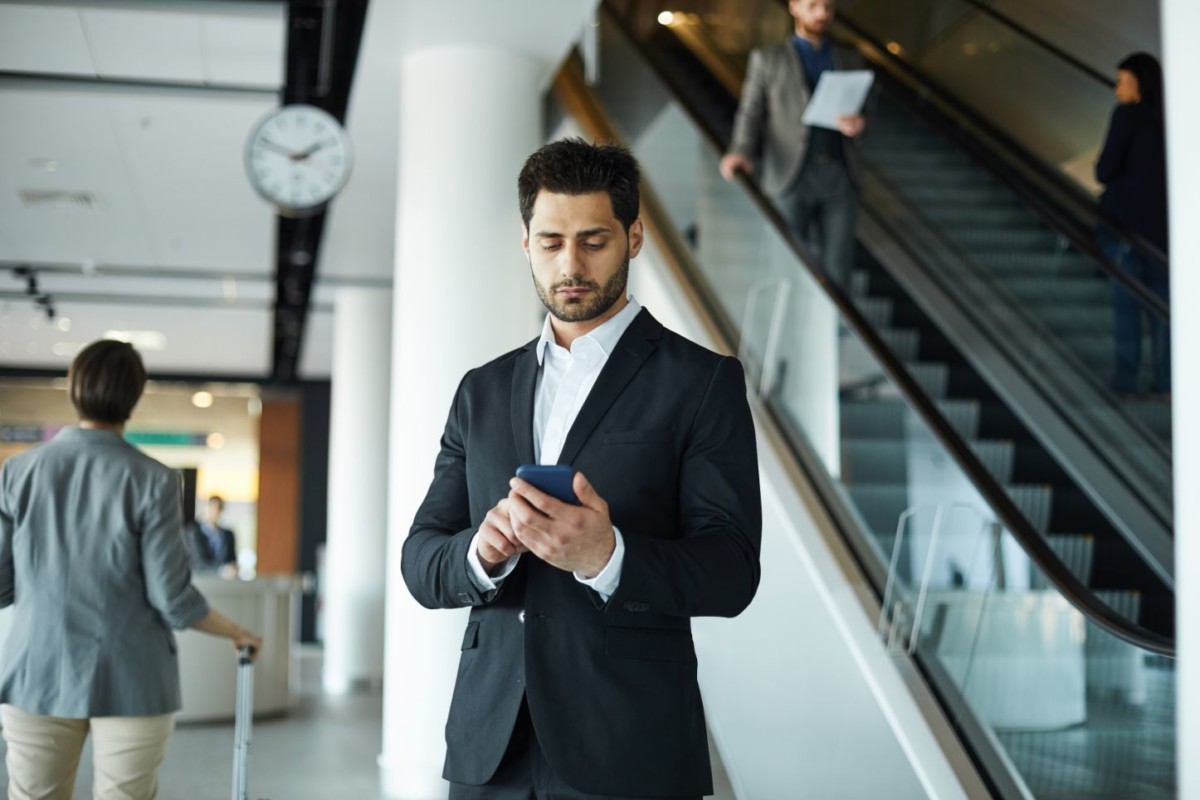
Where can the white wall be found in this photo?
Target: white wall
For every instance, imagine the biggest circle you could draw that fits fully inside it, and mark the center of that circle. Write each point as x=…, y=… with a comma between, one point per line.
x=1181, y=20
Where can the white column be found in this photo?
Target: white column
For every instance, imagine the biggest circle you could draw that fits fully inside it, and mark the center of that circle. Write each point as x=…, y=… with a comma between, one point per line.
x=469, y=116
x=358, y=485
x=1181, y=65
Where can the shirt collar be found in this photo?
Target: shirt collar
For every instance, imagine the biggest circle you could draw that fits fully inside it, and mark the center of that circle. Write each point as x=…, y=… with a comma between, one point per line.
x=809, y=47
x=606, y=335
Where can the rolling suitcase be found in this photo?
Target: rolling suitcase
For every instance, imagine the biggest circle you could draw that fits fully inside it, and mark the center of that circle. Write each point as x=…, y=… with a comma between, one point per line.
x=243, y=720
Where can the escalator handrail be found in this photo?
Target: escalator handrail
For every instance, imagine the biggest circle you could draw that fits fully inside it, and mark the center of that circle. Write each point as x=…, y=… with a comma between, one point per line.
x=1034, y=544
x=892, y=65
x=1042, y=42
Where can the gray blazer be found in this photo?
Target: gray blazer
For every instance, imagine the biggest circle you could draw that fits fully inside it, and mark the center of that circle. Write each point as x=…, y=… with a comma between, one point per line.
x=768, y=126
x=93, y=561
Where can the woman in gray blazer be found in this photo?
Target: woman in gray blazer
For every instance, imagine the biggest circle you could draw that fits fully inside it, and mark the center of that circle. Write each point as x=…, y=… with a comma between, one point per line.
x=93, y=561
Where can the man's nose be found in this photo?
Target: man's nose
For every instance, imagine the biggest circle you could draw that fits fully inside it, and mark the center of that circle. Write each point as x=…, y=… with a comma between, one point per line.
x=570, y=262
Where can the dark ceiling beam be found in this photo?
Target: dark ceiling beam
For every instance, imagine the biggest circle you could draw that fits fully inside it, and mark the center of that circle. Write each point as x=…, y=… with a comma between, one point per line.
x=312, y=24
x=180, y=273
x=76, y=81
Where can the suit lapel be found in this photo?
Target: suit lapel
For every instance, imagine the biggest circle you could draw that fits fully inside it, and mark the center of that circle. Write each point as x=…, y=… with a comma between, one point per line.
x=524, y=382
x=632, y=350
x=795, y=68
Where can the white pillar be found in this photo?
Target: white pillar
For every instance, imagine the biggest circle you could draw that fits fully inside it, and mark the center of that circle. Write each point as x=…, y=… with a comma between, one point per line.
x=469, y=116
x=358, y=486
x=1181, y=65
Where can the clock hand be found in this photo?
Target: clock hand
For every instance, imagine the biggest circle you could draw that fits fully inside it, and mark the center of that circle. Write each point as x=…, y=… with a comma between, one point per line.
x=312, y=149
x=277, y=148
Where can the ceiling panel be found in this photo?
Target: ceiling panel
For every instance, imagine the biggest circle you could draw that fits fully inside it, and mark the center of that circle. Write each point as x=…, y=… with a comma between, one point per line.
x=208, y=341
x=184, y=154
x=244, y=51
x=164, y=167
x=144, y=45
x=43, y=39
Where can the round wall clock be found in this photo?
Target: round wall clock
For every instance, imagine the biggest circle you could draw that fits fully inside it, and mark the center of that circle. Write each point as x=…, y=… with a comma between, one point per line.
x=298, y=157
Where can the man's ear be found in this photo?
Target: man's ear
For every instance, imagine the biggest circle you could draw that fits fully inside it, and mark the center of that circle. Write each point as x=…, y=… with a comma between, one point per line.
x=525, y=239
x=637, y=235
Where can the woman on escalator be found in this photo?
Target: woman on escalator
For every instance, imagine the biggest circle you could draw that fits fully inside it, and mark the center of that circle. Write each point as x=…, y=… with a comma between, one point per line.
x=1133, y=169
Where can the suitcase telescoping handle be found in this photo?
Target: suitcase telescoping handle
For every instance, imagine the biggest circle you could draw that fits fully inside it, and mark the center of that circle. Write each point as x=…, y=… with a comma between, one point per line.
x=243, y=717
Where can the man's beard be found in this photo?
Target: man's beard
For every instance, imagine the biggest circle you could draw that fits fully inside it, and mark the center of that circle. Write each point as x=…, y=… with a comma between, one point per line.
x=582, y=309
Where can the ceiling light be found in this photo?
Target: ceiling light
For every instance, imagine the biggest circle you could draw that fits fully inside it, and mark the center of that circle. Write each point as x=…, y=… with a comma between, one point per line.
x=215, y=441
x=202, y=399
x=48, y=164
x=666, y=18
x=65, y=348
x=142, y=340
x=64, y=324
x=254, y=407
x=894, y=48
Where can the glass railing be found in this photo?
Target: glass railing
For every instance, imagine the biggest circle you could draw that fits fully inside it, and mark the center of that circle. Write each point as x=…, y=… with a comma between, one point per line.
x=1052, y=705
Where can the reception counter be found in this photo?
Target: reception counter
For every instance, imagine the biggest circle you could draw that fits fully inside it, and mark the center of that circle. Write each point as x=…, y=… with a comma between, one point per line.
x=269, y=606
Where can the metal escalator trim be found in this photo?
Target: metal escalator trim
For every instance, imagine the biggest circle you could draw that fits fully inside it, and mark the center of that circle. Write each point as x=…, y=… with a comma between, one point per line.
x=997, y=498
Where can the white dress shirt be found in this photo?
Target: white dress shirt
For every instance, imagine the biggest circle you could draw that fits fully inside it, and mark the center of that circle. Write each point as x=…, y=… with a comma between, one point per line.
x=565, y=379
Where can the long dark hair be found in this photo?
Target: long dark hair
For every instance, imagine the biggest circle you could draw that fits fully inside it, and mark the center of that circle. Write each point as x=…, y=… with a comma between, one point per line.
x=1148, y=72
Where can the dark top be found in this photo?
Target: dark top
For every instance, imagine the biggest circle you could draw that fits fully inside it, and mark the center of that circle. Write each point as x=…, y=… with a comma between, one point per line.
x=817, y=61
x=1133, y=169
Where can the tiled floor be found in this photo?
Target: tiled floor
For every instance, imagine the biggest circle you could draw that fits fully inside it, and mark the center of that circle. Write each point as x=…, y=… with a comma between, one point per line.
x=324, y=750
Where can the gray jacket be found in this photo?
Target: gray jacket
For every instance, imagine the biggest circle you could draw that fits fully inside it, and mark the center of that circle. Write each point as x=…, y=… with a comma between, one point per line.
x=93, y=561
x=768, y=126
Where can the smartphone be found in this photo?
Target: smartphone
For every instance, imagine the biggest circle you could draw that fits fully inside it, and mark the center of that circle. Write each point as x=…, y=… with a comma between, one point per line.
x=553, y=479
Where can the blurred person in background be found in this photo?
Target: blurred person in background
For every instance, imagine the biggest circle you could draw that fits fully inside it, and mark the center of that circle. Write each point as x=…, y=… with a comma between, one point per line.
x=809, y=172
x=1133, y=169
x=212, y=546
x=93, y=562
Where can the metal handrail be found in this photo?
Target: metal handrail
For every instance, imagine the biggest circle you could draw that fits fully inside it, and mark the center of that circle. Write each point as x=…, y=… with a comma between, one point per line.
x=1034, y=544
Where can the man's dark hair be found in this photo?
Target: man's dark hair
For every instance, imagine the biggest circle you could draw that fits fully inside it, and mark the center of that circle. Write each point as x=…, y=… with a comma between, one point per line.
x=216, y=498
x=573, y=166
x=1146, y=69
x=106, y=381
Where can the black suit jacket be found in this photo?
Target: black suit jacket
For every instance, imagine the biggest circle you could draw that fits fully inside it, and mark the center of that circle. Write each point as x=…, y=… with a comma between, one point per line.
x=666, y=438
x=202, y=555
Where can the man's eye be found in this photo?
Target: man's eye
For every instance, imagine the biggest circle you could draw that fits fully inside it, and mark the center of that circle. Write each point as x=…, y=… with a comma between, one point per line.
x=549, y=246
x=594, y=245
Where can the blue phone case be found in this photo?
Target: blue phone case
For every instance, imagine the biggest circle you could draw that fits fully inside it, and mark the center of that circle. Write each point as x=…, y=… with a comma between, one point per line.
x=553, y=479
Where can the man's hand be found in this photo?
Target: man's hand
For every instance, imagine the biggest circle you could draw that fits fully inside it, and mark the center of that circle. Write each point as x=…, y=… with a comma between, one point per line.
x=732, y=163
x=573, y=538
x=852, y=126
x=497, y=543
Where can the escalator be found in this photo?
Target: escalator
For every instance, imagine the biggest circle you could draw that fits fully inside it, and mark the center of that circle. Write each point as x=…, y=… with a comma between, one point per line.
x=1033, y=592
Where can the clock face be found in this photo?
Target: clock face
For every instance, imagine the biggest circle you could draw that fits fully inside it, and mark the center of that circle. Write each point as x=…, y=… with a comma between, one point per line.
x=298, y=157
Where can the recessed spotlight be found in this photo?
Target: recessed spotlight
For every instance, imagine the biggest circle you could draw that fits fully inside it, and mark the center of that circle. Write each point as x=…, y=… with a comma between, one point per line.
x=202, y=399
x=65, y=348
x=666, y=18
x=215, y=441
x=64, y=324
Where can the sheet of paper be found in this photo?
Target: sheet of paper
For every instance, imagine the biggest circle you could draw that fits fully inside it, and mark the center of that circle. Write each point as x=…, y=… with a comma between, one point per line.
x=838, y=94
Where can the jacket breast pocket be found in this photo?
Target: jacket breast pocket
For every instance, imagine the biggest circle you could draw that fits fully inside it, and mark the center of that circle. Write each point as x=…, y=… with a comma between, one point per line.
x=650, y=644
x=653, y=436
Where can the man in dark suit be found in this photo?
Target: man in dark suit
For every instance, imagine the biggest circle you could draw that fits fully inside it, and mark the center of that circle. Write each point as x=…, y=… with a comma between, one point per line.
x=810, y=172
x=578, y=673
x=212, y=547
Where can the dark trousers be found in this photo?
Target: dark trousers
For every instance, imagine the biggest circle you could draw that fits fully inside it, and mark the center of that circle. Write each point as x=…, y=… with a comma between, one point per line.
x=821, y=207
x=1127, y=320
x=524, y=773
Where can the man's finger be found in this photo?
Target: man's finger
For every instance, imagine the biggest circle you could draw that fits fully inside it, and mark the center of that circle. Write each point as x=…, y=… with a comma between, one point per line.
x=587, y=495
x=534, y=497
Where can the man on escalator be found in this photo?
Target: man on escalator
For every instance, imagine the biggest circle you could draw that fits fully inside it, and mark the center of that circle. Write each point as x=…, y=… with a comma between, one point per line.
x=808, y=171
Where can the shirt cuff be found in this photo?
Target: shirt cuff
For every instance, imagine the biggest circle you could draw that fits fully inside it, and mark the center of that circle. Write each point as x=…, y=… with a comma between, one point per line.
x=484, y=582
x=605, y=583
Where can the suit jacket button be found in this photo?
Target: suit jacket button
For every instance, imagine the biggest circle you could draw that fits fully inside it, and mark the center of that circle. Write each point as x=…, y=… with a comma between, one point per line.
x=521, y=616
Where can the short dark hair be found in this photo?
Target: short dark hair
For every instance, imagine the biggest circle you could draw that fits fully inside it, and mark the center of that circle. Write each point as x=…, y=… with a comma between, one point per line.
x=216, y=498
x=106, y=381
x=573, y=166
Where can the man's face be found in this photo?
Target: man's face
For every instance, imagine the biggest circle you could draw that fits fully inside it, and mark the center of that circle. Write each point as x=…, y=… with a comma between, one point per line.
x=215, y=507
x=579, y=255
x=812, y=16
